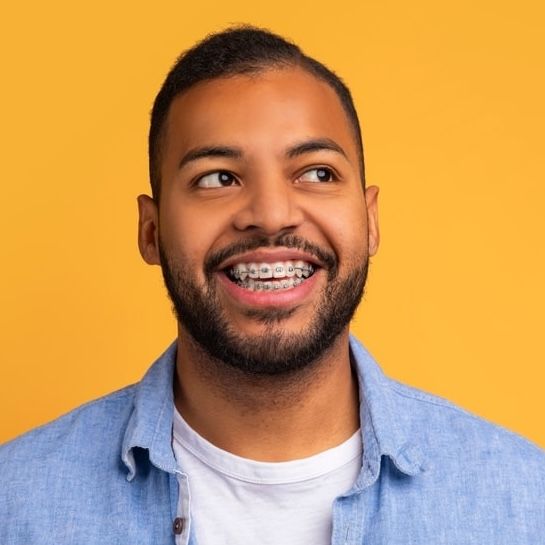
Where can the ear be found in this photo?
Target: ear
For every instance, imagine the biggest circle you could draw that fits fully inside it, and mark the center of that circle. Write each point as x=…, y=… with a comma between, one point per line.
x=371, y=200
x=148, y=229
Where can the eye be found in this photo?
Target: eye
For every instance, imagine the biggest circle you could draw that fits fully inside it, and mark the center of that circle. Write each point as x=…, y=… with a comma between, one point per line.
x=221, y=178
x=321, y=174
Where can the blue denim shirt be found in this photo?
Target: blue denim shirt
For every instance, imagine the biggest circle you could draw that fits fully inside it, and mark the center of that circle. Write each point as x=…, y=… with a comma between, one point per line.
x=432, y=474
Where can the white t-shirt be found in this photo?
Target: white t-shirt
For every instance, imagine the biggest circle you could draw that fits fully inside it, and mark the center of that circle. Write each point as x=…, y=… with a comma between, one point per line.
x=237, y=501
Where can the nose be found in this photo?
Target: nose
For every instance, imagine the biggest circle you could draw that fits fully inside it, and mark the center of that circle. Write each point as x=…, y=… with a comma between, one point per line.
x=269, y=205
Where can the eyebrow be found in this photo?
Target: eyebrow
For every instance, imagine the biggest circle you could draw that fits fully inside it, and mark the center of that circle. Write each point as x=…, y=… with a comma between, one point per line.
x=316, y=144
x=308, y=146
x=210, y=151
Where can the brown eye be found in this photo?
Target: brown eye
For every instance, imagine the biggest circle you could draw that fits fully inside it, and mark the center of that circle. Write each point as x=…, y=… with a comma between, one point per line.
x=321, y=174
x=221, y=178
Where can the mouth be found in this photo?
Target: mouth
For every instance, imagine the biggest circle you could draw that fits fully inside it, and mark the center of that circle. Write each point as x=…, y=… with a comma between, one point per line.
x=270, y=276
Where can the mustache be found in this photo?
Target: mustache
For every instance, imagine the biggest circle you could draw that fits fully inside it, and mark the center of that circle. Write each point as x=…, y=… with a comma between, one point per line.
x=326, y=257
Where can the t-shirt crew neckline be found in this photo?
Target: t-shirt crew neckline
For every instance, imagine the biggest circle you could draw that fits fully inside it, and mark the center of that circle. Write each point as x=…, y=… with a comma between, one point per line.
x=273, y=473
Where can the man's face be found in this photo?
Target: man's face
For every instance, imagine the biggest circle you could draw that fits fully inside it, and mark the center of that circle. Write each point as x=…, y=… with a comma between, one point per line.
x=263, y=229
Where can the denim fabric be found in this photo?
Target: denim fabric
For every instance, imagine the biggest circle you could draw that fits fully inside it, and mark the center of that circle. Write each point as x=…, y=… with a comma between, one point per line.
x=432, y=474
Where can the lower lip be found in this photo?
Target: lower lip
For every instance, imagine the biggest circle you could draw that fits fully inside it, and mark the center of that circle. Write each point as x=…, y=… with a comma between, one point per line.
x=274, y=298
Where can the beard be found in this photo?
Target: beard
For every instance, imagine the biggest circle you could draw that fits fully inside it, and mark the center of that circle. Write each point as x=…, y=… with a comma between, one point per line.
x=276, y=352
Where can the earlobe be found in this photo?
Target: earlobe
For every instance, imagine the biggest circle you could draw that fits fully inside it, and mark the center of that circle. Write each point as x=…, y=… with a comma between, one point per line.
x=148, y=229
x=371, y=200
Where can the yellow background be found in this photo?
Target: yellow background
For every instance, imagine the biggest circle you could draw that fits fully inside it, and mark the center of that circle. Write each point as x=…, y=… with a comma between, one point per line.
x=451, y=97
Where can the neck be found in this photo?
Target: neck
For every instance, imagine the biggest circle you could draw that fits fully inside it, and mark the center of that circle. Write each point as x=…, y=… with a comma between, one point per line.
x=268, y=418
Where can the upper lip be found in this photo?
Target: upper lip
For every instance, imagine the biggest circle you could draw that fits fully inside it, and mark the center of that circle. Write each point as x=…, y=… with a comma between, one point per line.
x=270, y=256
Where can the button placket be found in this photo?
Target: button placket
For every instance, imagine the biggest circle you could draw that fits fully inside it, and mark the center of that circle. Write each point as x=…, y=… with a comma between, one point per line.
x=181, y=524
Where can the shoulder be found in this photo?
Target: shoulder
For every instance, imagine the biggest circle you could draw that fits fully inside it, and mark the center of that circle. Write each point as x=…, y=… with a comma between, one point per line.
x=70, y=475
x=455, y=437
x=443, y=430
x=75, y=436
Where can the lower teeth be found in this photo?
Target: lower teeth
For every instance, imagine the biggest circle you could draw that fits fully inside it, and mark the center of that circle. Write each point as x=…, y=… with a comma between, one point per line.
x=258, y=285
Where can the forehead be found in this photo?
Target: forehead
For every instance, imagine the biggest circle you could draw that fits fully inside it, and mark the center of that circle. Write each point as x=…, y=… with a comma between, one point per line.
x=269, y=109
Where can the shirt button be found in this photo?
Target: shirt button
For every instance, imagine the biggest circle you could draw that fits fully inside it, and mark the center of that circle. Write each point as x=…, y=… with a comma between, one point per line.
x=178, y=525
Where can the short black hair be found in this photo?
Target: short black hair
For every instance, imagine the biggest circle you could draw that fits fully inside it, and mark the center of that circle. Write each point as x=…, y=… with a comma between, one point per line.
x=234, y=51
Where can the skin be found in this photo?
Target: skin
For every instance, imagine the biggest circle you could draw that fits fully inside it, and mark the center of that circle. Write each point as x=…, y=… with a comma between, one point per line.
x=262, y=116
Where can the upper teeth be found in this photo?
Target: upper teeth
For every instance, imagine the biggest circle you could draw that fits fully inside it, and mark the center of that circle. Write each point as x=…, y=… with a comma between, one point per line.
x=280, y=269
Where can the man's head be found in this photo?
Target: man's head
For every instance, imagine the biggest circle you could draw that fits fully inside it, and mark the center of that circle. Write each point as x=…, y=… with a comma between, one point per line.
x=263, y=228
x=241, y=50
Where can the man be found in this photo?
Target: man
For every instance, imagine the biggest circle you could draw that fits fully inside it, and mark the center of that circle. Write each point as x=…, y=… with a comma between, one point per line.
x=265, y=422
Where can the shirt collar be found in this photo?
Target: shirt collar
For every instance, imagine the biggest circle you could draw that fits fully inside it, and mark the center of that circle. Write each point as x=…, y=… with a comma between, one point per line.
x=385, y=425
x=150, y=424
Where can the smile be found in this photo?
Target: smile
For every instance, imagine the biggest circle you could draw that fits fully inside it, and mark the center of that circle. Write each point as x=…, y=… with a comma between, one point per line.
x=280, y=275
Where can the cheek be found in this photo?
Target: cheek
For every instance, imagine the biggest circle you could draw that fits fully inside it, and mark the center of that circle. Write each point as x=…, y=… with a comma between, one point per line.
x=181, y=233
x=190, y=232
x=345, y=227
